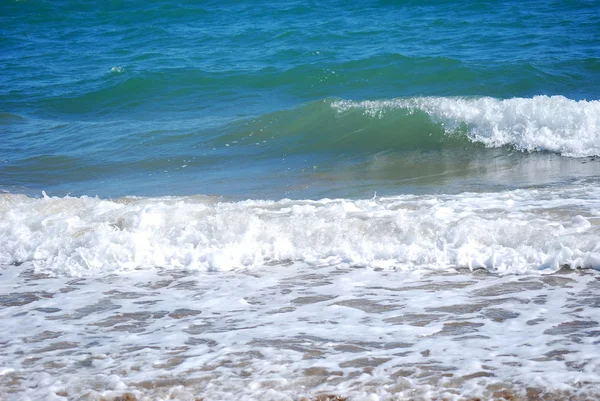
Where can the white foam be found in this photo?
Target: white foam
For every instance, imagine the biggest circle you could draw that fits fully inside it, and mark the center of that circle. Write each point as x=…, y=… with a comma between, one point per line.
x=509, y=232
x=283, y=333
x=542, y=123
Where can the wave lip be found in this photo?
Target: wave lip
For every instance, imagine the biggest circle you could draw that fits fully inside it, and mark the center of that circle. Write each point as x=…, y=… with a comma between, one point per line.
x=542, y=123
x=511, y=232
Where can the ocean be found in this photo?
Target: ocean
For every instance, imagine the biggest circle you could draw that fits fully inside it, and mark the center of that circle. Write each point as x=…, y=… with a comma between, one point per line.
x=299, y=200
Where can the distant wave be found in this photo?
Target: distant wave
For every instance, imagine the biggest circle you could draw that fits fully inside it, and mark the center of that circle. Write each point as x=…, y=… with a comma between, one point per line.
x=507, y=232
x=10, y=118
x=124, y=88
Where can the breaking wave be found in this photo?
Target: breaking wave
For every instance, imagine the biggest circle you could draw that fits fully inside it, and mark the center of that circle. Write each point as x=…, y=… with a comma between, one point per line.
x=553, y=124
x=506, y=232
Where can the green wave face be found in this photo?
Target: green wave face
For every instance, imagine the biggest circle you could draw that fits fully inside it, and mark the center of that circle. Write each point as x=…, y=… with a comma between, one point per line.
x=318, y=127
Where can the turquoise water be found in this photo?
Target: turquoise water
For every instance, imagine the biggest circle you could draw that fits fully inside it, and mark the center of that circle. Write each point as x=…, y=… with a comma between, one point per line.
x=240, y=99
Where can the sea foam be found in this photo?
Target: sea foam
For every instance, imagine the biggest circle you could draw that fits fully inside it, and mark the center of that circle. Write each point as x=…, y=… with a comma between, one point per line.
x=542, y=123
x=508, y=232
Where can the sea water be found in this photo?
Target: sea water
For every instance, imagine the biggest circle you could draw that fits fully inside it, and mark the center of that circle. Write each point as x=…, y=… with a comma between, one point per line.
x=375, y=200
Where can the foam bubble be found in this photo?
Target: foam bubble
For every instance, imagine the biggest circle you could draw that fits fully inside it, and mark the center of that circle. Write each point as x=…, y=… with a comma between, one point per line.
x=542, y=123
x=508, y=232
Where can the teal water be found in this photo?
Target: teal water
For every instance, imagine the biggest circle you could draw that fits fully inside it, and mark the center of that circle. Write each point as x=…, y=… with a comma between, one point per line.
x=241, y=99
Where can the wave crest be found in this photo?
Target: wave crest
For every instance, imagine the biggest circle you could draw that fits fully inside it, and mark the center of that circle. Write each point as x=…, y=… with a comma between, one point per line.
x=542, y=123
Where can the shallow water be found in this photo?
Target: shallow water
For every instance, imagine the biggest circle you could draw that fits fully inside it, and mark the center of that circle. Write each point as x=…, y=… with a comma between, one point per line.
x=419, y=297
x=283, y=332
